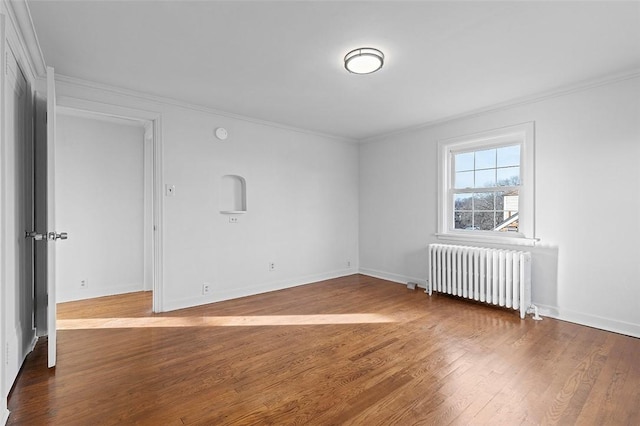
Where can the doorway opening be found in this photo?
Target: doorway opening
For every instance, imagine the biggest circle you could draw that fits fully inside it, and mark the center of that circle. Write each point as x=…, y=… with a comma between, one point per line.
x=104, y=193
x=148, y=125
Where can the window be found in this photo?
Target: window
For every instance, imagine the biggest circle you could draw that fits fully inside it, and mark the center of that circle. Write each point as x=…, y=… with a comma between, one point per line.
x=486, y=190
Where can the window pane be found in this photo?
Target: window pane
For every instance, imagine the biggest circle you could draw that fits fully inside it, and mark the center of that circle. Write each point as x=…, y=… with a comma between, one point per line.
x=462, y=202
x=464, y=162
x=509, y=176
x=485, y=178
x=484, y=221
x=509, y=156
x=463, y=220
x=486, y=159
x=464, y=180
x=484, y=201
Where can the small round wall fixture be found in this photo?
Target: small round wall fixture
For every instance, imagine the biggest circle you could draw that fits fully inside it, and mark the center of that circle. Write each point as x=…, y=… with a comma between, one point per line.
x=221, y=133
x=364, y=60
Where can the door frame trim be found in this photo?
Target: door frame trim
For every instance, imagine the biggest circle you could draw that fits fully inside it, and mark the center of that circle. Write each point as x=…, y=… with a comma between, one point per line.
x=117, y=111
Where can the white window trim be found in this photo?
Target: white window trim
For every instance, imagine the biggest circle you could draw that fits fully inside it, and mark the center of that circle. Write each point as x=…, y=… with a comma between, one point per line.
x=520, y=133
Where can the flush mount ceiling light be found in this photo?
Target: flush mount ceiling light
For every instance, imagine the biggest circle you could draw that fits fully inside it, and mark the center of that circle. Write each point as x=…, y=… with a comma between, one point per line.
x=364, y=60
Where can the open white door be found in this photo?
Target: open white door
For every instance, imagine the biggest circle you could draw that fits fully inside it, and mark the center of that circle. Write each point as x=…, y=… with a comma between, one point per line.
x=51, y=235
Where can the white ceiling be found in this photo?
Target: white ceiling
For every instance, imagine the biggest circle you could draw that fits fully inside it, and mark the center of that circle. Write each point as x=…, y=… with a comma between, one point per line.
x=282, y=61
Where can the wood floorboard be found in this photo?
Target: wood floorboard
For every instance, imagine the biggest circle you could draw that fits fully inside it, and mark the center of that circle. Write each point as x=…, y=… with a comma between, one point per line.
x=355, y=350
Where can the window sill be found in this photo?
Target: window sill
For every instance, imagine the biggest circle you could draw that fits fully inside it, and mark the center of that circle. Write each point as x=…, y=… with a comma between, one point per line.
x=490, y=239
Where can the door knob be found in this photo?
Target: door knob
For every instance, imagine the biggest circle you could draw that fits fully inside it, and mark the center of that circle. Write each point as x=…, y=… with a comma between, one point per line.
x=55, y=236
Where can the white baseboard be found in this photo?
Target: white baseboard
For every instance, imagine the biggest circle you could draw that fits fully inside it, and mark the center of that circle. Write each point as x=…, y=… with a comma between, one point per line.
x=220, y=296
x=15, y=355
x=396, y=278
x=547, y=311
x=91, y=293
x=5, y=416
x=607, y=324
x=32, y=345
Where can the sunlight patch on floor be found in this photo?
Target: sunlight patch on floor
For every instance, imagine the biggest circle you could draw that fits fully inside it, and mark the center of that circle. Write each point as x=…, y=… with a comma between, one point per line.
x=226, y=321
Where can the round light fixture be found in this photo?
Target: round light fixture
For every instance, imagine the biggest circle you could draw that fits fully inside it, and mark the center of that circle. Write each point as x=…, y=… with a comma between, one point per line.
x=364, y=60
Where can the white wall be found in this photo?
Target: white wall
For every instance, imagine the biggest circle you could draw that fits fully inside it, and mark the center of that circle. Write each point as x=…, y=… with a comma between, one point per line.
x=301, y=208
x=302, y=202
x=586, y=265
x=100, y=203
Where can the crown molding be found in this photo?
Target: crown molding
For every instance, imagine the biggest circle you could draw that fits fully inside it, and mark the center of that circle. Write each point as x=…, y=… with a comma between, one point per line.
x=560, y=91
x=141, y=96
x=20, y=17
x=100, y=116
x=541, y=96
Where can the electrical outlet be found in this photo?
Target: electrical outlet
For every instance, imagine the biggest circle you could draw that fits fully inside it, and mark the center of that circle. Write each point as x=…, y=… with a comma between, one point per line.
x=84, y=283
x=348, y=264
x=206, y=287
x=233, y=219
x=272, y=266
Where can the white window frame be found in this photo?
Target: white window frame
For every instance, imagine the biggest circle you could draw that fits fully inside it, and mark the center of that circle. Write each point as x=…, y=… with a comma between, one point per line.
x=522, y=134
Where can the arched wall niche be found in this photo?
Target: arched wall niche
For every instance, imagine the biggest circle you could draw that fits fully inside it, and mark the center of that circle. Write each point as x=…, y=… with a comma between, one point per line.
x=233, y=194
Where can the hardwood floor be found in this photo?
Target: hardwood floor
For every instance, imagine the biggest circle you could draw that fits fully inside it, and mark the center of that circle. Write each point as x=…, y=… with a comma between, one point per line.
x=355, y=350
